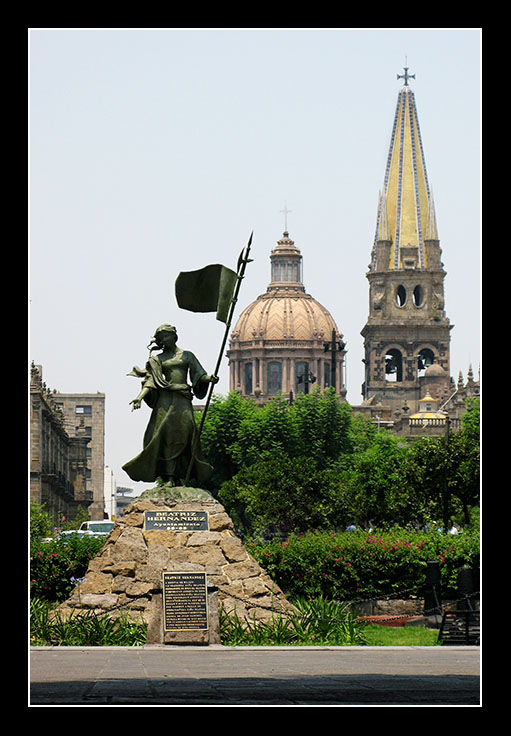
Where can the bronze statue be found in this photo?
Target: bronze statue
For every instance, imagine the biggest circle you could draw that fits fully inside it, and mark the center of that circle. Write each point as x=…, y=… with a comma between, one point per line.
x=171, y=443
x=172, y=448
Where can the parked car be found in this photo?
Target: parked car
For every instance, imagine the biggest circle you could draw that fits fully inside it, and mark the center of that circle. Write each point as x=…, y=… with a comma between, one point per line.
x=91, y=529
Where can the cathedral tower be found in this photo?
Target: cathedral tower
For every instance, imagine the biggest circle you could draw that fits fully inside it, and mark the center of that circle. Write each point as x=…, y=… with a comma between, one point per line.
x=407, y=329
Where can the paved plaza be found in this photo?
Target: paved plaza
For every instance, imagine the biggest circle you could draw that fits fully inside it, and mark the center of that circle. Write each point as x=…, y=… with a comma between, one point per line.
x=258, y=676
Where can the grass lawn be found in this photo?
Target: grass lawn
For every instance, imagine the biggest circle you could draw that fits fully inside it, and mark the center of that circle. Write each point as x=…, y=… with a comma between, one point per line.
x=405, y=636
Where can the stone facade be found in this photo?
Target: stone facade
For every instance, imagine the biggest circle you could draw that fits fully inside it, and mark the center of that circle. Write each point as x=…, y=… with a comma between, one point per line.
x=58, y=461
x=449, y=401
x=88, y=411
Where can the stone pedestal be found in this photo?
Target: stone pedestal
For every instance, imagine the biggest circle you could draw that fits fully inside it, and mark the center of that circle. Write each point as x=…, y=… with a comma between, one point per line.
x=127, y=573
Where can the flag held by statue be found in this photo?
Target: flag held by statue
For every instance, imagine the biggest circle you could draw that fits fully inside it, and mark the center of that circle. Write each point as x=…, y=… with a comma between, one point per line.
x=210, y=289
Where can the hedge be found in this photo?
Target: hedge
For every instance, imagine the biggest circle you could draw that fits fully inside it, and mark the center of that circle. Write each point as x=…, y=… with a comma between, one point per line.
x=361, y=565
x=342, y=566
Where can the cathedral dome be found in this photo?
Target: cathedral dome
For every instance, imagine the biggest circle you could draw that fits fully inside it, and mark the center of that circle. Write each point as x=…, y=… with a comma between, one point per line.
x=434, y=370
x=283, y=337
x=284, y=314
x=285, y=311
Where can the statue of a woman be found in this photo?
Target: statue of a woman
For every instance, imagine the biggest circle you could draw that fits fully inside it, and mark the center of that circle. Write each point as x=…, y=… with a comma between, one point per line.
x=171, y=435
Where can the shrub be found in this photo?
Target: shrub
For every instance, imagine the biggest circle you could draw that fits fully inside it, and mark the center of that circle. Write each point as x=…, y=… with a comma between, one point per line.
x=56, y=566
x=360, y=565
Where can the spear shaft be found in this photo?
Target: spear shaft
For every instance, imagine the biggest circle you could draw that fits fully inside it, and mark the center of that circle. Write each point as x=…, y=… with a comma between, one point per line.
x=242, y=264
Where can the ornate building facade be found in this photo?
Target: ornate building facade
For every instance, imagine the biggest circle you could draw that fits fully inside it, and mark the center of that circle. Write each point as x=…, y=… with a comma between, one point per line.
x=407, y=329
x=408, y=387
x=285, y=341
x=58, y=461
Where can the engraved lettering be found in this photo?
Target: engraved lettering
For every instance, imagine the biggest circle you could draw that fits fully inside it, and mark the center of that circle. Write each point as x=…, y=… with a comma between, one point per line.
x=177, y=521
x=185, y=601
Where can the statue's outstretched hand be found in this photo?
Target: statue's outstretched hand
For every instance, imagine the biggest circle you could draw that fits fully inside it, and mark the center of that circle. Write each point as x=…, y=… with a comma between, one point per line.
x=136, y=404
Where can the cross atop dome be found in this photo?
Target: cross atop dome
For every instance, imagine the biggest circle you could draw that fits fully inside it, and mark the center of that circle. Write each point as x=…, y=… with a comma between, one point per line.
x=285, y=212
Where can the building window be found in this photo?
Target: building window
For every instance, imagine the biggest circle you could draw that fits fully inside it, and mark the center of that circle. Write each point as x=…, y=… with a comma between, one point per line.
x=87, y=410
x=285, y=271
x=401, y=296
x=248, y=378
x=425, y=358
x=326, y=373
x=274, y=377
x=393, y=365
x=302, y=377
x=418, y=296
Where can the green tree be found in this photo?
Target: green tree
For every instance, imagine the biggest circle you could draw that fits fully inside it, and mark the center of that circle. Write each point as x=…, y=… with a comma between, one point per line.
x=362, y=433
x=424, y=475
x=373, y=482
x=273, y=458
x=237, y=432
x=322, y=426
x=282, y=494
x=463, y=468
x=442, y=474
x=267, y=431
x=220, y=434
x=40, y=522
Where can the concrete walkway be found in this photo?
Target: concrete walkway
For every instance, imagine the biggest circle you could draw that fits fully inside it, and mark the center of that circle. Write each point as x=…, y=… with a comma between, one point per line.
x=240, y=676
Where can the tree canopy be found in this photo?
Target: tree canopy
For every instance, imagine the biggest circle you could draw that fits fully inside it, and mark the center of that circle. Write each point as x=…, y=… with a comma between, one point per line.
x=313, y=464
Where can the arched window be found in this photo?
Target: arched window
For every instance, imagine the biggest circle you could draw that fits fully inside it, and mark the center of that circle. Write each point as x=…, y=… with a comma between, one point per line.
x=326, y=368
x=274, y=377
x=248, y=378
x=401, y=296
x=425, y=358
x=418, y=296
x=302, y=377
x=393, y=365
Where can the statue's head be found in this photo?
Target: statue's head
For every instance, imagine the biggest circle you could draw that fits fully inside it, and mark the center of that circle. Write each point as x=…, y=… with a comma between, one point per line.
x=159, y=336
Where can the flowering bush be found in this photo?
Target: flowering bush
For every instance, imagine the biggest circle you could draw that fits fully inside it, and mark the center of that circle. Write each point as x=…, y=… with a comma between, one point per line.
x=57, y=566
x=360, y=565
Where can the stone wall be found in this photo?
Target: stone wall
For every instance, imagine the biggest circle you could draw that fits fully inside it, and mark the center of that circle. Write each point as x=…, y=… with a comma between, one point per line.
x=127, y=572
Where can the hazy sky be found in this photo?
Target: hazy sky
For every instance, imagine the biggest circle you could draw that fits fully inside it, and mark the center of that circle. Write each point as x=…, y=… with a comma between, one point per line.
x=155, y=151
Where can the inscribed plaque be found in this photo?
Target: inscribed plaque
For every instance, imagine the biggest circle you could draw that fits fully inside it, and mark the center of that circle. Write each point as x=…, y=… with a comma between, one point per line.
x=185, y=601
x=176, y=521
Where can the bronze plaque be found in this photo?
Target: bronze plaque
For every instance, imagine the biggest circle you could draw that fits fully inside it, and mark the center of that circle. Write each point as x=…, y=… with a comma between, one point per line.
x=185, y=601
x=176, y=521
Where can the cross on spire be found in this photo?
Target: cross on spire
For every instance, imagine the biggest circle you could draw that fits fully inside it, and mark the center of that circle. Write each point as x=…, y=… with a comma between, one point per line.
x=406, y=76
x=285, y=211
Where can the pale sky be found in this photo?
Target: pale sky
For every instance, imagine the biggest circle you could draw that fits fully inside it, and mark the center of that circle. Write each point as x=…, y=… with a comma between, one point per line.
x=155, y=151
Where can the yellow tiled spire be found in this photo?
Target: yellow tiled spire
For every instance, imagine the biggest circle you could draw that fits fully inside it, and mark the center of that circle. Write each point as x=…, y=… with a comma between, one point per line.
x=383, y=232
x=406, y=201
x=431, y=229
